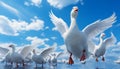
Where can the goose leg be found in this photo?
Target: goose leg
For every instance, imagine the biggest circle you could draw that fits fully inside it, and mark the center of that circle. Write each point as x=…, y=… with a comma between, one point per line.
x=83, y=56
x=71, y=60
x=16, y=65
x=103, y=59
x=23, y=63
x=11, y=63
x=42, y=64
x=96, y=59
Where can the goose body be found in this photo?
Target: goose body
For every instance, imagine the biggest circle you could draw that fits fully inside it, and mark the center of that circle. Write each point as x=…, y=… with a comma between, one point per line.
x=38, y=59
x=103, y=45
x=41, y=58
x=53, y=58
x=76, y=40
x=20, y=57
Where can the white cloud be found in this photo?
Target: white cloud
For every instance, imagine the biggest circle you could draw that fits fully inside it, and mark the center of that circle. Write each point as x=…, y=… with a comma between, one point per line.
x=10, y=8
x=35, y=41
x=81, y=2
x=36, y=24
x=116, y=48
x=33, y=2
x=36, y=2
x=53, y=38
x=55, y=3
x=54, y=29
x=47, y=27
x=42, y=34
x=13, y=27
x=63, y=3
x=5, y=27
x=26, y=3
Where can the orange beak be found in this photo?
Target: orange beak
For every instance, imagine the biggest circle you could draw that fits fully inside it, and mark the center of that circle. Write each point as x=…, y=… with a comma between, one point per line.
x=76, y=9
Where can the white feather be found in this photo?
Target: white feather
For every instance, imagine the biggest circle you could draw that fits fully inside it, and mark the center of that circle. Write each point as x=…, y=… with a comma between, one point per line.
x=110, y=41
x=101, y=48
x=3, y=52
x=99, y=26
x=59, y=23
x=75, y=40
x=26, y=50
x=47, y=51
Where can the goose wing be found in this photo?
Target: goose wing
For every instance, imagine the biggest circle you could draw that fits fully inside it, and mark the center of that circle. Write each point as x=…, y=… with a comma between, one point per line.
x=59, y=23
x=110, y=41
x=60, y=54
x=96, y=28
x=99, y=26
x=47, y=51
x=3, y=52
x=26, y=50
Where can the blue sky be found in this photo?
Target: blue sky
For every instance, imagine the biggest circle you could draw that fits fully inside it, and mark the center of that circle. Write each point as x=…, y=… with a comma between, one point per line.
x=27, y=22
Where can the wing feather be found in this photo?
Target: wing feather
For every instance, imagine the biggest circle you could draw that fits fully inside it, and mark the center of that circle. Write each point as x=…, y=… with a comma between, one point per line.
x=99, y=26
x=110, y=41
x=60, y=54
x=26, y=50
x=59, y=23
x=47, y=51
x=3, y=52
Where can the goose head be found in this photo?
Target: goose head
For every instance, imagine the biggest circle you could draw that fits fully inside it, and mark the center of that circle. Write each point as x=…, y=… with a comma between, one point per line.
x=12, y=46
x=74, y=12
x=102, y=35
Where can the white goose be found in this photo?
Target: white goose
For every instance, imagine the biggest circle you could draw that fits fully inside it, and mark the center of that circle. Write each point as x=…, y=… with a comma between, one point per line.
x=20, y=57
x=77, y=41
x=53, y=58
x=41, y=58
x=101, y=48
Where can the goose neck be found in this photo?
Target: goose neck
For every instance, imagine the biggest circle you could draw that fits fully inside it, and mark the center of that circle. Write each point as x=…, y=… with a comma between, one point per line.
x=73, y=22
x=101, y=40
x=13, y=50
x=34, y=53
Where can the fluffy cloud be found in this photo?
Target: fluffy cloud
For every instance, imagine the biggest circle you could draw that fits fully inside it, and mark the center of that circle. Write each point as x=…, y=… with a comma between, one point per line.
x=5, y=27
x=47, y=27
x=9, y=8
x=13, y=27
x=35, y=41
x=53, y=38
x=63, y=3
x=116, y=48
x=55, y=3
x=36, y=24
x=33, y=2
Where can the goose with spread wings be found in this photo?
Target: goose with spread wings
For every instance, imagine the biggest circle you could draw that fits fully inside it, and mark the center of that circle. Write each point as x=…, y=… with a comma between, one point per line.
x=41, y=57
x=53, y=58
x=76, y=41
x=100, y=49
x=19, y=57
